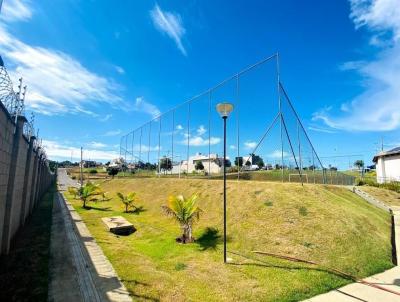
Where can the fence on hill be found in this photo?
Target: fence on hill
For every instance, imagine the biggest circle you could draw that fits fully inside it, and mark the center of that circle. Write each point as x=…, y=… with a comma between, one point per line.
x=266, y=139
x=24, y=172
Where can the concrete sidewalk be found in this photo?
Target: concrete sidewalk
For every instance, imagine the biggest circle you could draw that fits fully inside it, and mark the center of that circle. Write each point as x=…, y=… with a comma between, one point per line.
x=389, y=279
x=79, y=271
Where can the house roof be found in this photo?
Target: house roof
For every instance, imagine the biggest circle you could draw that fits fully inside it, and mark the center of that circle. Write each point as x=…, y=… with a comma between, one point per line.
x=391, y=152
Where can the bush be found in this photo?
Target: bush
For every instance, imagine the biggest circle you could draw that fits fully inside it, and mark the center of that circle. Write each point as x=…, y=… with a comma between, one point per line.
x=93, y=171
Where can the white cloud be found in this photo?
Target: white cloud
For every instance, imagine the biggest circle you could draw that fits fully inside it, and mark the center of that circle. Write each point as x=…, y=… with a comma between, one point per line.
x=378, y=15
x=105, y=118
x=250, y=145
x=232, y=147
x=179, y=127
x=201, y=130
x=96, y=145
x=169, y=23
x=320, y=129
x=59, y=150
x=119, y=69
x=16, y=10
x=377, y=108
x=113, y=132
x=57, y=83
x=199, y=141
x=278, y=154
x=146, y=107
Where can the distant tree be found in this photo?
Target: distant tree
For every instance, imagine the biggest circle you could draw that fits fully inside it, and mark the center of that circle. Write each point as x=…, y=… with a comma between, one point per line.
x=165, y=164
x=52, y=165
x=239, y=161
x=199, y=166
x=112, y=171
x=359, y=163
x=257, y=160
x=150, y=166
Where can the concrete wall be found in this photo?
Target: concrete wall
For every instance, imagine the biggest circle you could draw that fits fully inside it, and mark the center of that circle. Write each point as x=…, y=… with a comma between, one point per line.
x=388, y=169
x=24, y=176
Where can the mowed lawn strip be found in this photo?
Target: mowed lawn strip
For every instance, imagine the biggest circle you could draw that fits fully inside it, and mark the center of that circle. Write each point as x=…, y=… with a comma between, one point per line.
x=326, y=224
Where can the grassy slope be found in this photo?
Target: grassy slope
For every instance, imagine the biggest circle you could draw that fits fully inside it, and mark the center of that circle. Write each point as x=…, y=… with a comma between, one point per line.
x=391, y=198
x=24, y=272
x=329, y=225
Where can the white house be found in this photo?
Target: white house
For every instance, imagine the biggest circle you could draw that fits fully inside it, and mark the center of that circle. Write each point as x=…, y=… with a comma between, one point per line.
x=387, y=165
x=212, y=164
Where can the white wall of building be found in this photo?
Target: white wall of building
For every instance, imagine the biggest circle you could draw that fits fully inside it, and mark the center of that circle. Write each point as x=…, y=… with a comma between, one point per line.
x=210, y=164
x=388, y=169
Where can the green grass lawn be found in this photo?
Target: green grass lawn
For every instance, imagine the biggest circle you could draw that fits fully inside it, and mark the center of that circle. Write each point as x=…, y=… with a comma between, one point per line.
x=326, y=224
x=389, y=197
x=24, y=271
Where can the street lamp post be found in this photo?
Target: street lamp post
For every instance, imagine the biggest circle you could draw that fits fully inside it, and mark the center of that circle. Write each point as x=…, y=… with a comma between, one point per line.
x=224, y=109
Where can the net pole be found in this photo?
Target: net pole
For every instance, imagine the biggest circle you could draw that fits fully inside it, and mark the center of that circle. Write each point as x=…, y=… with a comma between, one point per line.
x=313, y=164
x=148, y=150
x=238, y=128
x=291, y=148
x=280, y=110
x=140, y=147
x=159, y=146
x=133, y=139
x=298, y=138
x=172, y=141
x=209, y=134
x=188, y=140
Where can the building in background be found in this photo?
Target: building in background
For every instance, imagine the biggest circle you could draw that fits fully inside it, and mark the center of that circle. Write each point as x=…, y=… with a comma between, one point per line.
x=212, y=164
x=387, y=165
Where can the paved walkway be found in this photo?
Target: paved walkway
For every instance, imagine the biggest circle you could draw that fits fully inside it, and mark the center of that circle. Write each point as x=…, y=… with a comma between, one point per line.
x=79, y=271
x=389, y=279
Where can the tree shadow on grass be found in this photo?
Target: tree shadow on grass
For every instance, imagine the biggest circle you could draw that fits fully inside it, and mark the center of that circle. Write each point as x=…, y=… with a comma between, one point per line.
x=210, y=239
x=288, y=267
x=137, y=210
x=137, y=295
x=106, y=209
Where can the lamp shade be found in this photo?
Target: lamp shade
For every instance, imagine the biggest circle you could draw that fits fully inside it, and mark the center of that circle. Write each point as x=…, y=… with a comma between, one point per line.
x=224, y=109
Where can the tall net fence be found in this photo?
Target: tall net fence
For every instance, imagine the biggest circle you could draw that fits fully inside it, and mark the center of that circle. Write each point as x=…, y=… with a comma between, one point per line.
x=265, y=137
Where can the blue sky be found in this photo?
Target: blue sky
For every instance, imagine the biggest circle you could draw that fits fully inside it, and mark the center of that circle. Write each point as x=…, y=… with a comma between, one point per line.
x=96, y=70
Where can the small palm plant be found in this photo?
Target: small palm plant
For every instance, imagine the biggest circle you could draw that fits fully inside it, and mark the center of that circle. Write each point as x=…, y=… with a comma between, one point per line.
x=185, y=211
x=73, y=191
x=88, y=191
x=128, y=200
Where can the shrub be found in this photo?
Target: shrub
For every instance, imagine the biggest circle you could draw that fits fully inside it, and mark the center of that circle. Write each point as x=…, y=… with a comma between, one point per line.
x=303, y=211
x=112, y=171
x=185, y=211
x=88, y=191
x=128, y=200
x=93, y=171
